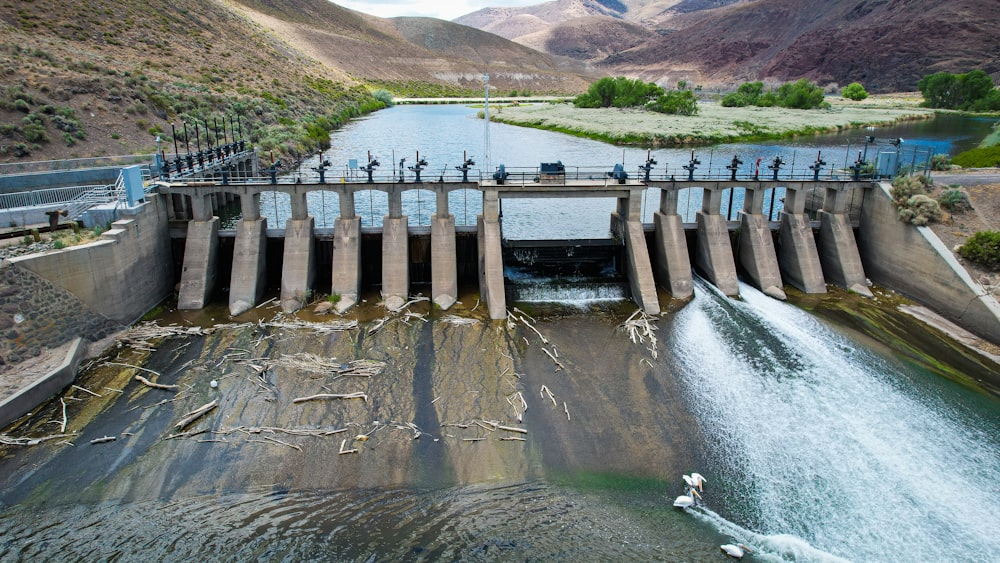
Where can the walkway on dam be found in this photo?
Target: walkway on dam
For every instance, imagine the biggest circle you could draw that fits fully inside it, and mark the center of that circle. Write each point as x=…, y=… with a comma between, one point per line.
x=798, y=258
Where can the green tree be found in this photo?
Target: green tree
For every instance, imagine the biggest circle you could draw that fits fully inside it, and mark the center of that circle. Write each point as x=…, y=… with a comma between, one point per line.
x=748, y=94
x=680, y=102
x=969, y=91
x=854, y=91
x=618, y=92
x=601, y=94
x=801, y=94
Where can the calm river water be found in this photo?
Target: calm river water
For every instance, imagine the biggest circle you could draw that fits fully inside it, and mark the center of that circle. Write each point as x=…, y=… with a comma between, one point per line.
x=445, y=134
x=825, y=435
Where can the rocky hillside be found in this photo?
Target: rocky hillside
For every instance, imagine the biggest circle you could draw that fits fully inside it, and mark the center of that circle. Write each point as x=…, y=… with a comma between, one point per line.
x=886, y=44
x=106, y=77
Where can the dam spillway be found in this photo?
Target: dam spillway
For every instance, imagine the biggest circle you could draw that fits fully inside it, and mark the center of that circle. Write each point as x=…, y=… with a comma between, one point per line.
x=771, y=247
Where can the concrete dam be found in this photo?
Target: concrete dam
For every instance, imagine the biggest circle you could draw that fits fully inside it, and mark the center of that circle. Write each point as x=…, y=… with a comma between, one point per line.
x=770, y=250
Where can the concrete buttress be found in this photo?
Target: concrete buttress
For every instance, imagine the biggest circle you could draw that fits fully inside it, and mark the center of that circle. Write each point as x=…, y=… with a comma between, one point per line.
x=248, y=276
x=198, y=274
x=297, y=268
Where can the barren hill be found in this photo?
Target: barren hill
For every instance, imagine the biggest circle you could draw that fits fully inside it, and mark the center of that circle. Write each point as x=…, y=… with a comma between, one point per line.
x=106, y=77
x=886, y=44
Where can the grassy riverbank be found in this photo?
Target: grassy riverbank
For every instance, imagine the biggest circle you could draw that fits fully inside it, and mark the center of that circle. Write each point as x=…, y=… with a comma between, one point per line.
x=713, y=124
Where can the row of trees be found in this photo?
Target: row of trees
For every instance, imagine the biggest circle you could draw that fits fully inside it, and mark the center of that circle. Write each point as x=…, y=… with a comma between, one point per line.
x=970, y=91
x=802, y=94
x=624, y=92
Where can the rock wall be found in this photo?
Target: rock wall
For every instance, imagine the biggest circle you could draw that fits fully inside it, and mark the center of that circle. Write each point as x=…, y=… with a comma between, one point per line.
x=37, y=315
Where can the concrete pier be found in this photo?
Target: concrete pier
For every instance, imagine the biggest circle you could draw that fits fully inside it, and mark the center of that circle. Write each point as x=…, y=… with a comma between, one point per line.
x=395, y=262
x=297, y=269
x=346, y=276
x=395, y=254
x=444, y=257
x=673, y=264
x=247, y=282
x=639, y=269
x=346, y=262
x=797, y=254
x=756, y=246
x=201, y=249
x=838, y=249
x=444, y=262
x=713, y=251
x=491, y=287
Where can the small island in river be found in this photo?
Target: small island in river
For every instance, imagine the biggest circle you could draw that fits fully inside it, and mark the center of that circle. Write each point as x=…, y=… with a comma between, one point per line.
x=713, y=123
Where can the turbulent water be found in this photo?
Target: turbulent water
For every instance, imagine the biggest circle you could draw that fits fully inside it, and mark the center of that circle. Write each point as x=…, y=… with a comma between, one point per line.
x=825, y=449
x=816, y=447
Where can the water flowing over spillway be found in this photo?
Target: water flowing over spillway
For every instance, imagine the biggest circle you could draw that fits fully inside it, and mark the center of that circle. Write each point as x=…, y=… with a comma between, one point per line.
x=824, y=449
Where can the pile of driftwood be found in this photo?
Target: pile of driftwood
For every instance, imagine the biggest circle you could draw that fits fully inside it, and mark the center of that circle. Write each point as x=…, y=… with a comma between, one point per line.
x=312, y=363
x=527, y=320
x=142, y=335
x=641, y=331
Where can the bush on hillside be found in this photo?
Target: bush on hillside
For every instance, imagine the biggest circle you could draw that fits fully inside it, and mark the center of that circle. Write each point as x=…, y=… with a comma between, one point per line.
x=983, y=248
x=940, y=162
x=854, y=91
x=955, y=201
x=385, y=97
x=988, y=157
x=912, y=202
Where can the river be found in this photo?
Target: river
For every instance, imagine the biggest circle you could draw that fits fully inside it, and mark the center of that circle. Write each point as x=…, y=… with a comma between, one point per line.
x=823, y=437
x=444, y=135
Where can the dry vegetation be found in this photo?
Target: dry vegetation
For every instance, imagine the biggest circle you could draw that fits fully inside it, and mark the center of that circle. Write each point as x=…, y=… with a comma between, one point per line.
x=713, y=124
x=96, y=78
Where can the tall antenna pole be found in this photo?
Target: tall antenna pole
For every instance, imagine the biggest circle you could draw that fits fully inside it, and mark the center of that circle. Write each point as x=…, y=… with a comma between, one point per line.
x=486, y=134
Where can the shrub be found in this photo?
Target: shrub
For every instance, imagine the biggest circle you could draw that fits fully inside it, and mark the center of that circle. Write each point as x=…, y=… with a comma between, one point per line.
x=619, y=92
x=955, y=201
x=920, y=210
x=914, y=205
x=59, y=244
x=940, y=162
x=854, y=91
x=35, y=133
x=802, y=94
x=982, y=248
x=680, y=102
x=978, y=158
x=385, y=97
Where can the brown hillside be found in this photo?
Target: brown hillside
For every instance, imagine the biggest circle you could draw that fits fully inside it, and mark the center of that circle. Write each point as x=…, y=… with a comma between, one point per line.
x=106, y=77
x=887, y=44
x=590, y=38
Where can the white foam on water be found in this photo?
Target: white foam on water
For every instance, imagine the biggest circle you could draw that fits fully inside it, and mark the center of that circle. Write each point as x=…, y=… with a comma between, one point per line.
x=820, y=439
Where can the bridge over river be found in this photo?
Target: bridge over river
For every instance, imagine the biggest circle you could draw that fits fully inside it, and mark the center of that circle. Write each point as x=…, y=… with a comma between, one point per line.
x=771, y=247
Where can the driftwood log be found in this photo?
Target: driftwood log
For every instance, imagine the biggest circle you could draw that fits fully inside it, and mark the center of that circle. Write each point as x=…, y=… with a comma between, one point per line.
x=327, y=396
x=195, y=414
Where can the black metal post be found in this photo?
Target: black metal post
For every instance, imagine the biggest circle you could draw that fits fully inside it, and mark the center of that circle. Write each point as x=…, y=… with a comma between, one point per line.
x=177, y=152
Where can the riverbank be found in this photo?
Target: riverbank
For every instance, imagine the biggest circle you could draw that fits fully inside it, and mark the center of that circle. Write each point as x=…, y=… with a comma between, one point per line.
x=714, y=124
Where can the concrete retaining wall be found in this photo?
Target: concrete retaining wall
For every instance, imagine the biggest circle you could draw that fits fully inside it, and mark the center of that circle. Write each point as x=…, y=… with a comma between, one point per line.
x=914, y=261
x=127, y=272
x=44, y=387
